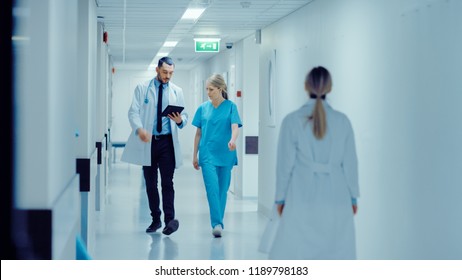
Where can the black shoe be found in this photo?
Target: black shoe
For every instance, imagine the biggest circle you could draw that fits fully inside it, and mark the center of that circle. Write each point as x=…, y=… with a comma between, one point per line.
x=154, y=227
x=171, y=227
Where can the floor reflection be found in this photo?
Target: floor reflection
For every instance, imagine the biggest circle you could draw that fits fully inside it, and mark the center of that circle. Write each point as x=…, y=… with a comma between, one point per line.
x=162, y=248
x=217, y=249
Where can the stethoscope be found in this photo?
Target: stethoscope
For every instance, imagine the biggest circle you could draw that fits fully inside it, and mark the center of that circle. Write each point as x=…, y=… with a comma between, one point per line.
x=146, y=100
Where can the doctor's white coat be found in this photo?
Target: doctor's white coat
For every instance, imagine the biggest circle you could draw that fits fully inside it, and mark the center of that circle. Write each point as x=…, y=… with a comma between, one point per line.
x=141, y=115
x=317, y=180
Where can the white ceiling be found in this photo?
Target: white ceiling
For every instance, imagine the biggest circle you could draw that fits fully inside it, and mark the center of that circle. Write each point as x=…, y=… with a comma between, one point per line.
x=137, y=29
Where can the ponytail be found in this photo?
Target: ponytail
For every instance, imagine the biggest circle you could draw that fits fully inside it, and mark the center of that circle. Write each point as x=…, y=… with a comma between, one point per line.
x=224, y=94
x=318, y=83
x=319, y=120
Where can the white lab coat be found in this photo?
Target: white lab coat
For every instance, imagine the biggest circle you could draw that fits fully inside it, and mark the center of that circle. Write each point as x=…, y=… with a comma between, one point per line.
x=316, y=179
x=142, y=115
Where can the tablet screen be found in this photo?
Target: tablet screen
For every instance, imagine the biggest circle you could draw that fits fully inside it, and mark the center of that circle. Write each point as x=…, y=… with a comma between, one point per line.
x=172, y=108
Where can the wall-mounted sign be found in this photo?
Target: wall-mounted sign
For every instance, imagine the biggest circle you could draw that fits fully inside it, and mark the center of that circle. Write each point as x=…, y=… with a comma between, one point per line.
x=207, y=45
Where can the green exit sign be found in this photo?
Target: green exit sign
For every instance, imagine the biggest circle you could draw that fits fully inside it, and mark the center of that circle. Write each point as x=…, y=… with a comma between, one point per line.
x=207, y=45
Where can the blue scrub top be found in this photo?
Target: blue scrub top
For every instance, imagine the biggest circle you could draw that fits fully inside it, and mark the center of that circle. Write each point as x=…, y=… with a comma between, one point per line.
x=215, y=124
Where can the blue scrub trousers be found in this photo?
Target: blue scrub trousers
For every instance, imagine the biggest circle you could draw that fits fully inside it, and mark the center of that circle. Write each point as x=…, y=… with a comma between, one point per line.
x=217, y=180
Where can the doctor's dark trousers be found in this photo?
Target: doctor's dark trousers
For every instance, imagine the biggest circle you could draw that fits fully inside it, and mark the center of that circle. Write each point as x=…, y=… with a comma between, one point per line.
x=162, y=159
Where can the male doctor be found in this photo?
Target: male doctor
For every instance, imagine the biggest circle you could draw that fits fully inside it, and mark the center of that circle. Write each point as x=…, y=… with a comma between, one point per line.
x=154, y=143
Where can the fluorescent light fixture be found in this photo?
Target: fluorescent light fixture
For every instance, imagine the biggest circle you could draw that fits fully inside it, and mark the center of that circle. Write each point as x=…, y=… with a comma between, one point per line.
x=155, y=60
x=170, y=43
x=161, y=54
x=193, y=13
x=208, y=39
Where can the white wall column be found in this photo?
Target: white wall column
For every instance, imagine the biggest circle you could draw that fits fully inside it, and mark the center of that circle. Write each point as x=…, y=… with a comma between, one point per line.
x=46, y=192
x=88, y=127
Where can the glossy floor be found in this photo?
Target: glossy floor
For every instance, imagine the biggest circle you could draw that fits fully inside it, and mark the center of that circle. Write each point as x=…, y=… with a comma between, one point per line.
x=121, y=225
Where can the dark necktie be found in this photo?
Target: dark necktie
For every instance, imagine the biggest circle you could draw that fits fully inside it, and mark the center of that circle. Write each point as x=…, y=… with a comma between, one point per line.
x=159, y=109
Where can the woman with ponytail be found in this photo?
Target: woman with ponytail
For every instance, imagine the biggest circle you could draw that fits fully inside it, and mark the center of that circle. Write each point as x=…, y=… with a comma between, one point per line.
x=316, y=179
x=217, y=122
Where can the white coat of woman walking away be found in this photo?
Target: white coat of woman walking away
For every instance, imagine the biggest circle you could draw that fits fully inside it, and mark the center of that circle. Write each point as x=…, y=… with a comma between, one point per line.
x=317, y=179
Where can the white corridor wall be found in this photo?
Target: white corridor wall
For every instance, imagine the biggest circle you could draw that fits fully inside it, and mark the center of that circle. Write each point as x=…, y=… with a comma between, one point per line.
x=396, y=73
x=46, y=183
x=240, y=65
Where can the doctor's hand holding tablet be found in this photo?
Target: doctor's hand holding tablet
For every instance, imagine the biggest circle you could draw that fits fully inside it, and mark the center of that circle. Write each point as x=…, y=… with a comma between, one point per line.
x=172, y=112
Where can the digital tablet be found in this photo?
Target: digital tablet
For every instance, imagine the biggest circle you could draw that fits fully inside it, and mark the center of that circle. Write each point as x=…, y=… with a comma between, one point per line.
x=171, y=109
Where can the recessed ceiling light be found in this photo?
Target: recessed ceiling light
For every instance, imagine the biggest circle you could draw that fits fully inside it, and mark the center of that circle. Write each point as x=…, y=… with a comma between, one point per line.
x=170, y=43
x=207, y=39
x=162, y=54
x=193, y=13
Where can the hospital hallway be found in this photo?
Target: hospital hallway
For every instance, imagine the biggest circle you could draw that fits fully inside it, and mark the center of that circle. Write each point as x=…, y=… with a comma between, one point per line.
x=120, y=228
x=82, y=96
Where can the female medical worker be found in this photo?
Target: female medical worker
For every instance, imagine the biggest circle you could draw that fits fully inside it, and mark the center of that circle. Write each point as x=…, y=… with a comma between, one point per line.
x=316, y=179
x=217, y=122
